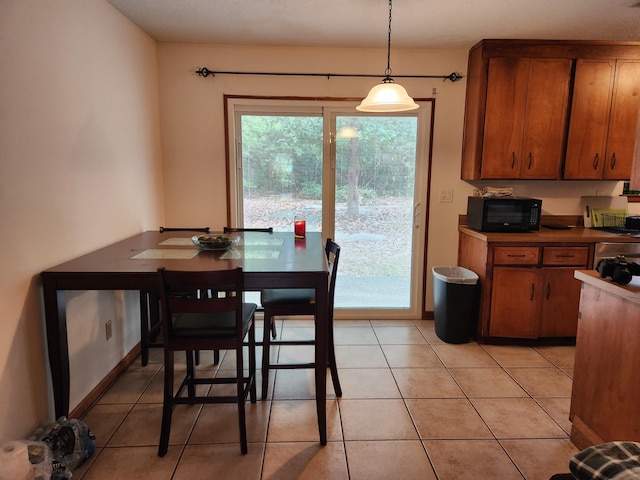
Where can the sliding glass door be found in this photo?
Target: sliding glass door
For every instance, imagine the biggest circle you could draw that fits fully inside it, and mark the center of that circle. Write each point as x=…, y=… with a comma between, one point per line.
x=373, y=204
x=360, y=179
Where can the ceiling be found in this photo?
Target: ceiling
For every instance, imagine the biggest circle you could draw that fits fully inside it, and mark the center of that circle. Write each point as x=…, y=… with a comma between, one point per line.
x=363, y=23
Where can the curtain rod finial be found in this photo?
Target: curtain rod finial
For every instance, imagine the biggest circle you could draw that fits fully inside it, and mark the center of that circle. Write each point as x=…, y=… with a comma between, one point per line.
x=204, y=72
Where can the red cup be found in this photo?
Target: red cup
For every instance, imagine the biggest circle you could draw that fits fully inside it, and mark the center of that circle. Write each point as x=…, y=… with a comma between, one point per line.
x=299, y=228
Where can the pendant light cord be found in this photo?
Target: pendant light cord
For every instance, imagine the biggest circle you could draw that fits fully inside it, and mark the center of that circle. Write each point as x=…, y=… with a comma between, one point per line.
x=387, y=72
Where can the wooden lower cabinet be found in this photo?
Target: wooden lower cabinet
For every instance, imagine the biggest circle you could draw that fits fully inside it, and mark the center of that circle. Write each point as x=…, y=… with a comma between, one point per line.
x=534, y=302
x=528, y=291
x=560, y=303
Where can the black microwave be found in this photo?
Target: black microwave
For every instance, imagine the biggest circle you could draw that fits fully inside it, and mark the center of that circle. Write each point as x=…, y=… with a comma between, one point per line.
x=504, y=214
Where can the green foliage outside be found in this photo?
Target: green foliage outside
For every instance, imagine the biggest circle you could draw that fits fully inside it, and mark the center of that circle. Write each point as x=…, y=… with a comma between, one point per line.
x=283, y=154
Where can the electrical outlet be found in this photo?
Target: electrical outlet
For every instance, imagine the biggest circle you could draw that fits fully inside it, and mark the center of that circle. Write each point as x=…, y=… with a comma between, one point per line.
x=108, y=329
x=446, y=196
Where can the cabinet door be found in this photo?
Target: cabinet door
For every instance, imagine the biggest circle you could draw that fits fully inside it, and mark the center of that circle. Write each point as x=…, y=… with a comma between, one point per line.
x=504, y=117
x=545, y=118
x=560, y=303
x=515, y=304
x=624, y=116
x=588, y=127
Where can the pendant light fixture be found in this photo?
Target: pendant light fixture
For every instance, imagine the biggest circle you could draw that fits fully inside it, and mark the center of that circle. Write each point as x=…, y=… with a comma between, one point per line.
x=388, y=96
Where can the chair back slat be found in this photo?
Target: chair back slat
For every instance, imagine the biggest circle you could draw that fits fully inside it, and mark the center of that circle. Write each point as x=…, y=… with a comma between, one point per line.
x=217, y=291
x=185, y=229
x=241, y=229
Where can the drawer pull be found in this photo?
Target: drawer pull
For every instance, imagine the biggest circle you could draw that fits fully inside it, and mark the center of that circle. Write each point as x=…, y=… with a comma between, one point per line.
x=516, y=255
x=565, y=255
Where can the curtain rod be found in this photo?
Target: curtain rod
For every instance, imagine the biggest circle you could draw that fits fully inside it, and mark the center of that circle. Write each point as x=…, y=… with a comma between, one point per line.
x=205, y=72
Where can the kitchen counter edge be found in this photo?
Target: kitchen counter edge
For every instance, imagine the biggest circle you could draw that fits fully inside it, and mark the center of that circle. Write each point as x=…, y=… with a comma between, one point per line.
x=629, y=292
x=573, y=235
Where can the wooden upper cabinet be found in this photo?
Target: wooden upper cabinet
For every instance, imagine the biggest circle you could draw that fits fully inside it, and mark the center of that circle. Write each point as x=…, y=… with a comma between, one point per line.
x=551, y=110
x=525, y=117
x=624, y=117
x=634, y=184
x=504, y=117
x=546, y=118
x=604, y=113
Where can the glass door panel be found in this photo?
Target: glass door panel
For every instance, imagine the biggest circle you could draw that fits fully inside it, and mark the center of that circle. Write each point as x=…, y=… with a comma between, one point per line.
x=281, y=170
x=374, y=210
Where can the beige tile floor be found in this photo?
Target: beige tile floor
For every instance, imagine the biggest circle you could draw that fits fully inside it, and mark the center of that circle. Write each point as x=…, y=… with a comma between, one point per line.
x=413, y=407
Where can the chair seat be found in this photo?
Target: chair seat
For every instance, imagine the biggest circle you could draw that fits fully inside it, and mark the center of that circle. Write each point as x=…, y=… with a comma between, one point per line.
x=288, y=296
x=608, y=461
x=220, y=325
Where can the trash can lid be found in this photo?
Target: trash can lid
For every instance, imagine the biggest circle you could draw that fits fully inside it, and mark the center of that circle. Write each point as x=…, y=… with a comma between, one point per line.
x=455, y=275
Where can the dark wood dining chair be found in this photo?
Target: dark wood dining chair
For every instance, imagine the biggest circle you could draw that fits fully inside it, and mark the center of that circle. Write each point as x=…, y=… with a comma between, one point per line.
x=240, y=229
x=220, y=321
x=279, y=302
x=150, y=324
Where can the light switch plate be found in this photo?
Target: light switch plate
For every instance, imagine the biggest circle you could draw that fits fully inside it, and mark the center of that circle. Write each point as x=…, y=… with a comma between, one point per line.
x=446, y=195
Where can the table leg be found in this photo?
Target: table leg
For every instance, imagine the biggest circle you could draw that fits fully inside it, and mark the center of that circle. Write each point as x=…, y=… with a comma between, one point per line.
x=321, y=358
x=56, y=321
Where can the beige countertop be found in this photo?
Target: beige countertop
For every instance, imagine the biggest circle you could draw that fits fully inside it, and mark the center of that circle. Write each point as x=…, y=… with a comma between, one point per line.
x=630, y=292
x=573, y=235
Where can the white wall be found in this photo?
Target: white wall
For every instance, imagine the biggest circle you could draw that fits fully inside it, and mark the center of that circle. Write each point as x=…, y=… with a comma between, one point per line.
x=80, y=168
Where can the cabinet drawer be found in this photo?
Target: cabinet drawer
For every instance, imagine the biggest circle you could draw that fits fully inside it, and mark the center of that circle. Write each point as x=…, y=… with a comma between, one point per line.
x=565, y=256
x=516, y=255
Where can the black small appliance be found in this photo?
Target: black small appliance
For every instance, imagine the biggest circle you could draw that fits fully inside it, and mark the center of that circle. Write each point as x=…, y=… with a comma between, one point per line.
x=504, y=214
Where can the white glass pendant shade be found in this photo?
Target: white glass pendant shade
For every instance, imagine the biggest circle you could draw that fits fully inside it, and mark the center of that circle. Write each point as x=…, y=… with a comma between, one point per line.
x=387, y=97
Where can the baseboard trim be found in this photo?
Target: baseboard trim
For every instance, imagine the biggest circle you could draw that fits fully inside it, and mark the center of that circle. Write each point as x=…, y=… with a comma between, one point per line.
x=105, y=383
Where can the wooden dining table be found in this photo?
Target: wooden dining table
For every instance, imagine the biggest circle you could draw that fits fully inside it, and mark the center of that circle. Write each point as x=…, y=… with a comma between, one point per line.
x=268, y=260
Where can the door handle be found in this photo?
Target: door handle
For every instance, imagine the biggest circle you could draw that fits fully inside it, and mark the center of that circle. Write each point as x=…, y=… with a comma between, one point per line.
x=548, y=290
x=416, y=215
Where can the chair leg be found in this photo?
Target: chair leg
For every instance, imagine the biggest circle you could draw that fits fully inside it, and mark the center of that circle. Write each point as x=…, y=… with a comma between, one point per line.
x=242, y=423
x=144, y=328
x=167, y=407
x=274, y=331
x=333, y=366
x=266, y=355
x=216, y=357
x=252, y=363
x=191, y=388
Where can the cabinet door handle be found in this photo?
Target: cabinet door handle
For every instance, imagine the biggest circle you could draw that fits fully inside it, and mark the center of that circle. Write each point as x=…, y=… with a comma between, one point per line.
x=596, y=160
x=530, y=160
x=513, y=159
x=533, y=291
x=548, y=290
x=613, y=161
